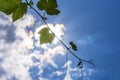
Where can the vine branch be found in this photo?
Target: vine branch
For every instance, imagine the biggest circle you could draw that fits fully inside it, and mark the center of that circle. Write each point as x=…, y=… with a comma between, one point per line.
x=87, y=61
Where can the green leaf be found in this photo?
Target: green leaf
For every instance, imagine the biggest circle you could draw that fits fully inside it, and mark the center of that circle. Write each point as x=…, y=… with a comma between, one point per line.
x=13, y=6
x=42, y=4
x=14, y=1
x=74, y=47
x=31, y=2
x=9, y=6
x=50, y=6
x=52, y=11
x=20, y=11
x=45, y=36
x=10, y=10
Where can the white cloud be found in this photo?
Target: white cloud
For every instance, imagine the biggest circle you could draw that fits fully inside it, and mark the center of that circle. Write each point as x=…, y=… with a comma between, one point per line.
x=47, y=57
x=43, y=78
x=4, y=20
x=58, y=73
x=16, y=57
x=15, y=54
x=26, y=21
x=76, y=72
x=68, y=76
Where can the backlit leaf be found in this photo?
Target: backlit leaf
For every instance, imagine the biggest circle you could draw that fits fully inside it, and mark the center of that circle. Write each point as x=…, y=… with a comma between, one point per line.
x=53, y=11
x=9, y=6
x=20, y=11
x=45, y=36
x=50, y=6
x=42, y=4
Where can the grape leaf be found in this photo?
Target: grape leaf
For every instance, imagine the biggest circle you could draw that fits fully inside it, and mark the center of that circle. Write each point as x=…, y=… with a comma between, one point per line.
x=50, y=6
x=45, y=36
x=13, y=6
x=42, y=4
x=9, y=6
x=53, y=11
x=20, y=11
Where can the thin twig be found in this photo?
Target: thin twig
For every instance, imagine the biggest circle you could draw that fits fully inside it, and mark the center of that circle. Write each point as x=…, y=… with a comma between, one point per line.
x=57, y=36
x=66, y=62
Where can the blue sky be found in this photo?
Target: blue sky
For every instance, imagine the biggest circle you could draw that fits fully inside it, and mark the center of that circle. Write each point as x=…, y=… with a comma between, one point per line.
x=92, y=24
x=100, y=20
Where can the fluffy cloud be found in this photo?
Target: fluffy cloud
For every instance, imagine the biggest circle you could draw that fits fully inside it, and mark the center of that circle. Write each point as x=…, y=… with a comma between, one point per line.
x=17, y=44
x=23, y=58
x=73, y=73
x=14, y=49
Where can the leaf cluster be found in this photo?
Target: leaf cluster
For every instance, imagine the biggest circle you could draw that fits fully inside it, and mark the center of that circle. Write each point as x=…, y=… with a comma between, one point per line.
x=15, y=7
x=18, y=8
x=50, y=6
x=74, y=47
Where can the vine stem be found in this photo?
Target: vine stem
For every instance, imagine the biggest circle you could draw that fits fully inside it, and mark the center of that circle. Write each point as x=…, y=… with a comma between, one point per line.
x=56, y=35
x=66, y=61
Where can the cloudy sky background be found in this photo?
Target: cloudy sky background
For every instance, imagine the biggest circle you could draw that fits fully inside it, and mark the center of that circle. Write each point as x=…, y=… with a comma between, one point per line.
x=92, y=25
